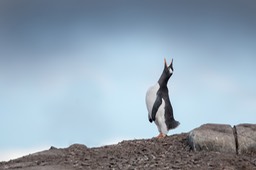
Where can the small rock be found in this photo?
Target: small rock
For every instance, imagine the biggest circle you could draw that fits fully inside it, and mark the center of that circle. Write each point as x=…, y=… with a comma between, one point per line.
x=52, y=147
x=78, y=146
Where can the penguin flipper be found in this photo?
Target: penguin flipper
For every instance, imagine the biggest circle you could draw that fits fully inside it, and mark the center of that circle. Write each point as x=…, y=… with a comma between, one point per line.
x=149, y=118
x=156, y=105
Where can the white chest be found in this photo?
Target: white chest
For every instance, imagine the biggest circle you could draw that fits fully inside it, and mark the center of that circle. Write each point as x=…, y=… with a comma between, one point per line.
x=151, y=96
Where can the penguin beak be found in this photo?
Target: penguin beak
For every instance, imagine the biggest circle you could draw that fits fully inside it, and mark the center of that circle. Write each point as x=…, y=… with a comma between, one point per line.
x=170, y=66
x=165, y=62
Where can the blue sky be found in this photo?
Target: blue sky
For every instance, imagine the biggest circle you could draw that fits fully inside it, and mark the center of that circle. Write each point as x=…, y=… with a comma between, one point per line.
x=77, y=71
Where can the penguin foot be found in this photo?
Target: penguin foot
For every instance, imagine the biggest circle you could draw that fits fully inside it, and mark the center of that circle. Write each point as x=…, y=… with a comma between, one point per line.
x=160, y=136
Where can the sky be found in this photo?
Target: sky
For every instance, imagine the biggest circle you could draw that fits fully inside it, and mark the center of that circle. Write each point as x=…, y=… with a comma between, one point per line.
x=78, y=71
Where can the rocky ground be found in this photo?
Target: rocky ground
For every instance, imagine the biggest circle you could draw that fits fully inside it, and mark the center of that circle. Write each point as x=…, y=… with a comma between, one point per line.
x=172, y=152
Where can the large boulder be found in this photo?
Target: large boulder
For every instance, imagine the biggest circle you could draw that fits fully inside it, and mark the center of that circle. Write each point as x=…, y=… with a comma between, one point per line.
x=213, y=137
x=246, y=138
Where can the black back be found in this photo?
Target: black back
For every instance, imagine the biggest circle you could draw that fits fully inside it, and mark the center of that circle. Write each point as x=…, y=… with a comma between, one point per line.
x=163, y=93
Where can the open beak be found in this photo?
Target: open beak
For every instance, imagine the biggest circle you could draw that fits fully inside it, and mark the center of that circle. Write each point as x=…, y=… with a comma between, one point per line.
x=170, y=66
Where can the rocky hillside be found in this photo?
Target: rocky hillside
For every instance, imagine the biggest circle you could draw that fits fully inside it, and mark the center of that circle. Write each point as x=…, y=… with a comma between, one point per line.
x=172, y=152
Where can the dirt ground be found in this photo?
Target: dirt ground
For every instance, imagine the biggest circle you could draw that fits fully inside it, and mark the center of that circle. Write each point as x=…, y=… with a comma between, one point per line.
x=172, y=152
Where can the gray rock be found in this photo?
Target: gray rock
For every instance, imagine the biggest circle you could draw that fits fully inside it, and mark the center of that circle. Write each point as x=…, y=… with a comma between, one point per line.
x=246, y=138
x=213, y=137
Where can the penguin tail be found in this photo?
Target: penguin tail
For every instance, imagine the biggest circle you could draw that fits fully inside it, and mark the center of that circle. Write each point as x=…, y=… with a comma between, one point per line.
x=173, y=124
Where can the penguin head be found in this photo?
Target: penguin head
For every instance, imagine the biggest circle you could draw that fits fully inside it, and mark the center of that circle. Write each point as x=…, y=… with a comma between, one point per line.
x=168, y=69
x=167, y=73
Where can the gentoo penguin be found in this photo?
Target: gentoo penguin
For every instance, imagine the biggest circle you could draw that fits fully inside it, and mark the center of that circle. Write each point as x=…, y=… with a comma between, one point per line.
x=158, y=103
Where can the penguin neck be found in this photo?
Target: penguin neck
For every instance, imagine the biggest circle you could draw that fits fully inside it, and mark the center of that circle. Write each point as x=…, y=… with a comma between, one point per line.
x=163, y=80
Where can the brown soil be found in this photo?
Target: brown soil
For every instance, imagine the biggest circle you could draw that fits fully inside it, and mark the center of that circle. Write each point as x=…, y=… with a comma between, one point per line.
x=172, y=152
